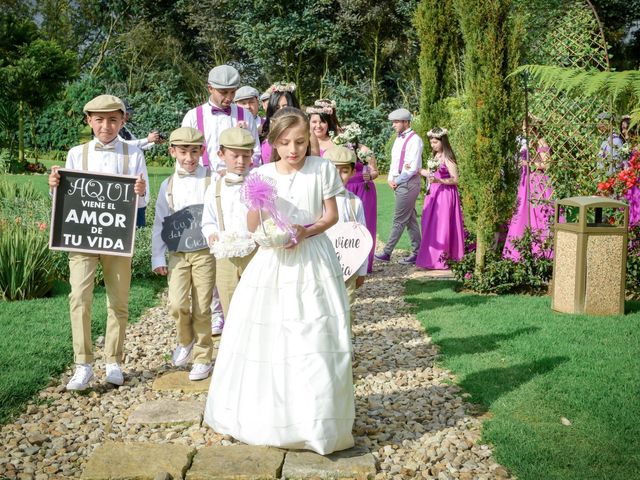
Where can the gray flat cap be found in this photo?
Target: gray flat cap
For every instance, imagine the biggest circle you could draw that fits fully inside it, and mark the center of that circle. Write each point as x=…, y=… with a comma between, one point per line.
x=224, y=76
x=265, y=96
x=400, y=114
x=246, y=92
x=603, y=116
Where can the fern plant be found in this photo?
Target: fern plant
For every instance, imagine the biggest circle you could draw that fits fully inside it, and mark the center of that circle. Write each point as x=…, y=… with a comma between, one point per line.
x=622, y=87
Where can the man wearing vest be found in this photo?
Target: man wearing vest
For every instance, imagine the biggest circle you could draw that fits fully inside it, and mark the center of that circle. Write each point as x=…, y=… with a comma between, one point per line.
x=106, y=153
x=404, y=179
x=220, y=113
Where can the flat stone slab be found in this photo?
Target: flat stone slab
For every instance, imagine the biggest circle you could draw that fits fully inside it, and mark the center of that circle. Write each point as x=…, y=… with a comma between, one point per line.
x=179, y=381
x=356, y=463
x=139, y=461
x=167, y=411
x=236, y=462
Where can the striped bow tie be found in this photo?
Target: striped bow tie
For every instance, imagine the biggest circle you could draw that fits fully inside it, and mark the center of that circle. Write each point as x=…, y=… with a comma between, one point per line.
x=183, y=173
x=223, y=111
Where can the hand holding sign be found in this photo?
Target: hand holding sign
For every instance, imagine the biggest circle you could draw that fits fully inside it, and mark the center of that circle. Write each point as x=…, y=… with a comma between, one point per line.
x=141, y=186
x=352, y=243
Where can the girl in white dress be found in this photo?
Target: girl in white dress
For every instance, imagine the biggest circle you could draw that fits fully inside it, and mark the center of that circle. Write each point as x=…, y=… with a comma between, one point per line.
x=282, y=376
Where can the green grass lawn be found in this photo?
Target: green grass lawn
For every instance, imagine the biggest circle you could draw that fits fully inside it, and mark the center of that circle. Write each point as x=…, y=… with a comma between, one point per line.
x=529, y=367
x=35, y=338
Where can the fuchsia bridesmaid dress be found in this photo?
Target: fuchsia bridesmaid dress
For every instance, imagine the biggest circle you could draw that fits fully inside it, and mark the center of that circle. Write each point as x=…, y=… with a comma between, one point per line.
x=533, y=208
x=442, y=225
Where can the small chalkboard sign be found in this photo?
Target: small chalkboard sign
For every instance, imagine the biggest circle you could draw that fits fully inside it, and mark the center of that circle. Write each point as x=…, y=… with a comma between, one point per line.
x=182, y=231
x=94, y=213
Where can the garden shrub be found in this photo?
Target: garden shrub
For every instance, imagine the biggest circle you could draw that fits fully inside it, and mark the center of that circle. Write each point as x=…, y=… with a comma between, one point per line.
x=26, y=265
x=531, y=274
x=633, y=263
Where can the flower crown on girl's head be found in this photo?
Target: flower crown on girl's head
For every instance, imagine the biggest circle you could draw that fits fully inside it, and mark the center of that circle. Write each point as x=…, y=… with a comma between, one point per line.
x=437, y=132
x=322, y=105
x=282, y=87
x=319, y=110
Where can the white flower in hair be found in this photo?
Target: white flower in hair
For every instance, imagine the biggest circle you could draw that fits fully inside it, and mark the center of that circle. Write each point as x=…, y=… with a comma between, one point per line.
x=282, y=87
x=437, y=132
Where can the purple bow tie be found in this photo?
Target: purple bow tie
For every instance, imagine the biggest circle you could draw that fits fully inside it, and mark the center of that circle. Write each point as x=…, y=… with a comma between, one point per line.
x=404, y=134
x=216, y=110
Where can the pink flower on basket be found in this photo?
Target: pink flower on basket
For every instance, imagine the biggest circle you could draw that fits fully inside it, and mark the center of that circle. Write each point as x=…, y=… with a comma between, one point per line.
x=260, y=193
x=467, y=276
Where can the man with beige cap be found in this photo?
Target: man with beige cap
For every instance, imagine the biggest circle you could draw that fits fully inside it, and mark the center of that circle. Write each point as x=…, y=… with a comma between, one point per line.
x=220, y=113
x=224, y=221
x=104, y=154
x=404, y=179
x=191, y=267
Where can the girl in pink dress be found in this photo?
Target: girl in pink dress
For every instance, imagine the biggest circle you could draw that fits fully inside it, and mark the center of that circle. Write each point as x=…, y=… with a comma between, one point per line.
x=442, y=225
x=281, y=95
x=533, y=206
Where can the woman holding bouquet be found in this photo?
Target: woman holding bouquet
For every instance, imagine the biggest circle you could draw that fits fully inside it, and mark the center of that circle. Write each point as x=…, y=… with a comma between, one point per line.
x=324, y=126
x=442, y=226
x=283, y=372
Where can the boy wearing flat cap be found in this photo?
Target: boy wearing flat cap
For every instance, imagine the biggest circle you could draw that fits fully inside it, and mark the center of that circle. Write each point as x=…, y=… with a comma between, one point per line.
x=218, y=114
x=247, y=97
x=404, y=179
x=350, y=208
x=104, y=154
x=224, y=221
x=191, y=267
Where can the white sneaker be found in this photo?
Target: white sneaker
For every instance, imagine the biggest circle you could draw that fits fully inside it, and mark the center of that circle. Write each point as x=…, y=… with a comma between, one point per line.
x=114, y=374
x=181, y=354
x=217, y=324
x=81, y=377
x=200, y=371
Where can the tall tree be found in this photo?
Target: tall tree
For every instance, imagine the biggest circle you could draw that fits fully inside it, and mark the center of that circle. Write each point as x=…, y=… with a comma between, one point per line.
x=439, y=36
x=32, y=73
x=491, y=36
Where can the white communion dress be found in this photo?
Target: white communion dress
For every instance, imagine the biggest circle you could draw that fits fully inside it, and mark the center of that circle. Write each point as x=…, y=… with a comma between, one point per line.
x=283, y=376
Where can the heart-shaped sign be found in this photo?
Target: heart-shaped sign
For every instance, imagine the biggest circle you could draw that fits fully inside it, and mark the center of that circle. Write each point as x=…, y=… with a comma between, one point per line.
x=352, y=243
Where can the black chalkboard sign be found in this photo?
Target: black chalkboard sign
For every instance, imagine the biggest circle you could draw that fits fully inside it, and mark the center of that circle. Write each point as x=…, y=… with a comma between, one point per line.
x=94, y=213
x=181, y=232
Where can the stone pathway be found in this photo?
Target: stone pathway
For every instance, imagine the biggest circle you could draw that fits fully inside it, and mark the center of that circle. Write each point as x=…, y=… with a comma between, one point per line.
x=411, y=421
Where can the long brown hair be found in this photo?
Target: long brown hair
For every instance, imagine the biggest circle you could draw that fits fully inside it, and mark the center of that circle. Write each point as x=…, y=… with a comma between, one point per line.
x=282, y=120
x=447, y=151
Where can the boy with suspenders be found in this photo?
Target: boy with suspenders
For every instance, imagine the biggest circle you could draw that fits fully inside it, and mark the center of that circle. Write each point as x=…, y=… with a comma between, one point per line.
x=191, y=267
x=350, y=209
x=211, y=118
x=104, y=154
x=225, y=214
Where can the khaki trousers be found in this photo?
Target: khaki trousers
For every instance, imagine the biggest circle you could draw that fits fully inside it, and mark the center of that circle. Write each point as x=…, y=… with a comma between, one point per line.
x=192, y=274
x=228, y=273
x=350, y=283
x=117, y=280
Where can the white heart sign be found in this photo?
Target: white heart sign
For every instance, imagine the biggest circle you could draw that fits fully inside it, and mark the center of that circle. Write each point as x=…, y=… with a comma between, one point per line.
x=352, y=243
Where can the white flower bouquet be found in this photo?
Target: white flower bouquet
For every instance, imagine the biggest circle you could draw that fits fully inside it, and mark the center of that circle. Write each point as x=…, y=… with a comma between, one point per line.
x=231, y=244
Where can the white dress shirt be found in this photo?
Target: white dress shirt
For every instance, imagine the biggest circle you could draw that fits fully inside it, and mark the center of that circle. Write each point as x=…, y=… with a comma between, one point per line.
x=234, y=212
x=214, y=125
x=345, y=209
x=186, y=191
x=111, y=161
x=412, y=157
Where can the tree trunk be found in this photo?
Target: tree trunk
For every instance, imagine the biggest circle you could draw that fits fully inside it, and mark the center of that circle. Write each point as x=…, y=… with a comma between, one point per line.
x=20, y=133
x=374, y=73
x=481, y=250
